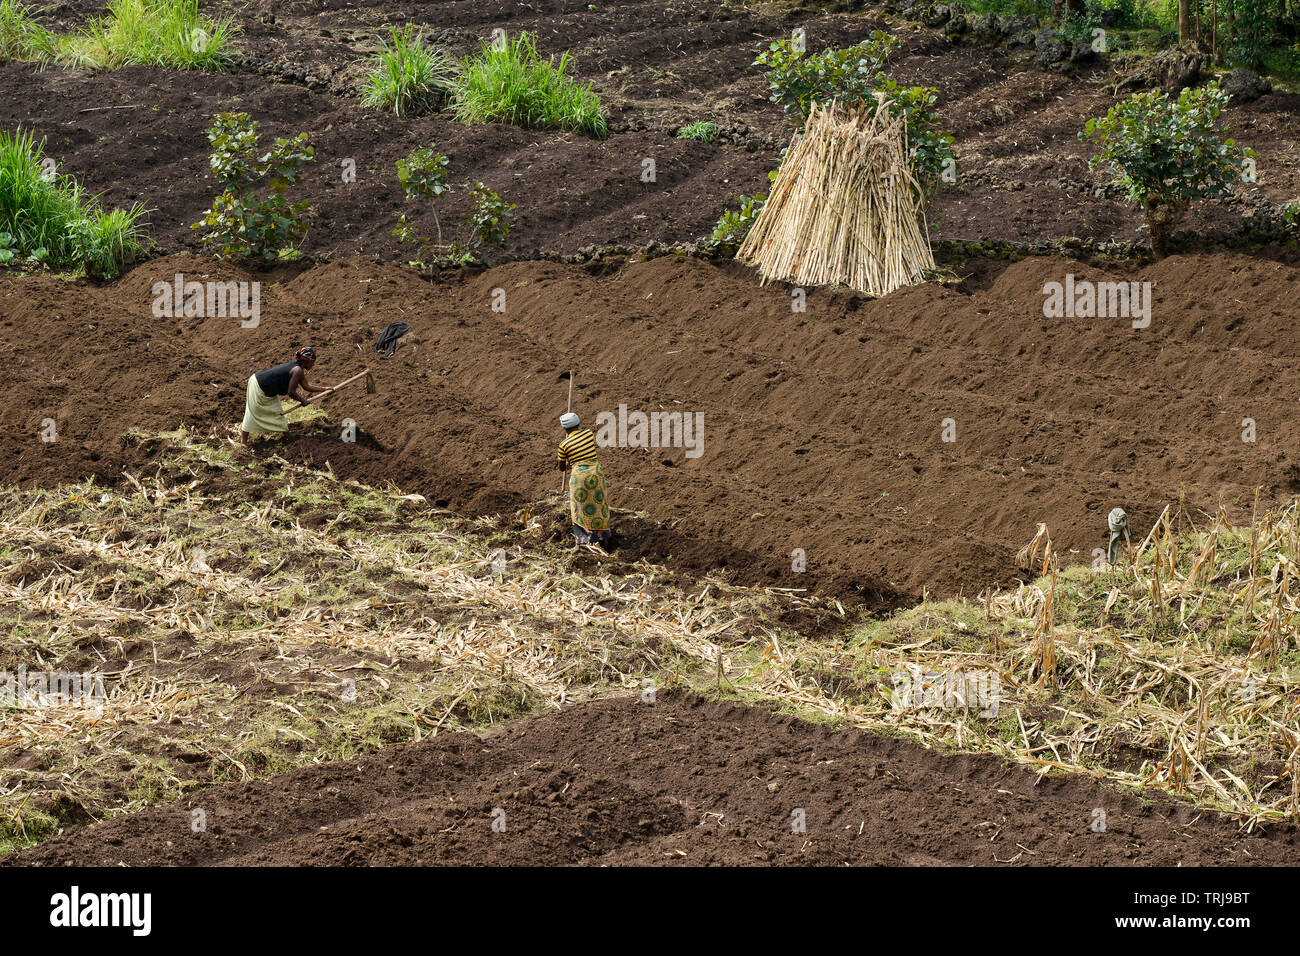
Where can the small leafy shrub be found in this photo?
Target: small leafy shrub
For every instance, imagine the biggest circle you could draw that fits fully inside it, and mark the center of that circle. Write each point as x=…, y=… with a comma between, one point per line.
x=1166, y=153
x=702, y=131
x=423, y=175
x=735, y=224
x=856, y=74
x=512, y=84
x=1291, y=215
x=49, y=218
x=931, y=147
x=796, y=79
x=1077, y=27
x=241, y=222
x=408, y=77
x=489, y=222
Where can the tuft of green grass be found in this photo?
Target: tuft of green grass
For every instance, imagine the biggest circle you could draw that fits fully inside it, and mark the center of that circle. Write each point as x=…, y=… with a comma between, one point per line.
x=408, y=76
x=510, y=83
x=170, y=33
x=21, y=37
x=50, y=218
x=702, y=131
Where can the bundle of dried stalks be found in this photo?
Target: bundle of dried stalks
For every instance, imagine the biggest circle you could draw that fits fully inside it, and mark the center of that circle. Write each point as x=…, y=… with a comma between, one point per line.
x=845, y=208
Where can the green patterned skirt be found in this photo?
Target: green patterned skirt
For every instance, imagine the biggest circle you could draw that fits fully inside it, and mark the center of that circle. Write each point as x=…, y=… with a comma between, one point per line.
x=588, y=505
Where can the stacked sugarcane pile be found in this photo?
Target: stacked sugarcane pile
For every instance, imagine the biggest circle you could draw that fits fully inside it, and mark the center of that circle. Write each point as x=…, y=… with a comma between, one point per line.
x=845, y=208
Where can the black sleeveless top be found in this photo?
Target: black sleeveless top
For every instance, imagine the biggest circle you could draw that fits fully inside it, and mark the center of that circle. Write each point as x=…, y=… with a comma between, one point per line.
x=275, y=381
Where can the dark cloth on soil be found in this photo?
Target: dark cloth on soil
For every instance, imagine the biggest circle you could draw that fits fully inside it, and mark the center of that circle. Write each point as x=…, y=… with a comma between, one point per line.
x=387, y=343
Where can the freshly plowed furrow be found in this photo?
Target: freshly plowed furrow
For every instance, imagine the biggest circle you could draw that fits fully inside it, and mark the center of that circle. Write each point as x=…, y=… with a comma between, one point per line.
x=822, y=429
x=677, y=781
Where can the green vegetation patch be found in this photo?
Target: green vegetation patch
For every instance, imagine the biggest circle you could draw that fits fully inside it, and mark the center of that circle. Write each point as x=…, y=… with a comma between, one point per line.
x=508, y=82
x=48, y=218
x=169, y=33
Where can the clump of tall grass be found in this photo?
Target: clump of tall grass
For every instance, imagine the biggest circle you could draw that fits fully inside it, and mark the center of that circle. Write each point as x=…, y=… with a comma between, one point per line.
x=408, y=76
x=510, y=83
x=168, y=33
x=21, y=37
x=51, y=219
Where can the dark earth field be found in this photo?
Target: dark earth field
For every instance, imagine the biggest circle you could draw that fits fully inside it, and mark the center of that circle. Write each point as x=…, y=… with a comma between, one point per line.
x=821, y=428
x=139, y=134
x=681, y=781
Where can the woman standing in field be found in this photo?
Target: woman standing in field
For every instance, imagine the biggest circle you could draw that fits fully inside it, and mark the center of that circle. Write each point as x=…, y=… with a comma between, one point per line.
x=262, y=410
x=588, y=507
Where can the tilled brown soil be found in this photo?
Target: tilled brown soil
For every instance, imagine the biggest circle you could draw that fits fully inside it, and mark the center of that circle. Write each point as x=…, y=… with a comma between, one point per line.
x=822, y=430
x=678, y=781
x=139, y=134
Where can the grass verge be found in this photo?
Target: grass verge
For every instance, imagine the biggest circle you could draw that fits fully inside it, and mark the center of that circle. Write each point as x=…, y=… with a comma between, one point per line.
x=21, y=37
x=168, y=33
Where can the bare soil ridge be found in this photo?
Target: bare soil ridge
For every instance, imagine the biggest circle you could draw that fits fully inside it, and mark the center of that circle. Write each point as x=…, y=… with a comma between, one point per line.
x=678, y=781
x=822, y=429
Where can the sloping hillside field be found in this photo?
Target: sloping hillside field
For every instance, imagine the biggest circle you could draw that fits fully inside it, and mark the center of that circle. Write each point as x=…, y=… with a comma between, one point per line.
x=822, y=430
x=998, y=567
x=815, y=489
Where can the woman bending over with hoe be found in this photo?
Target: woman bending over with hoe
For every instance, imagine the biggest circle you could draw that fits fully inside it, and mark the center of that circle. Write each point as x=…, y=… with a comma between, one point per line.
x=262, y=410
x=588, y=509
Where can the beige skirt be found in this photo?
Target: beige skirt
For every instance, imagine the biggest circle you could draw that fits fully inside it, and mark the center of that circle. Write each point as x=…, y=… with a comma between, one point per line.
x=262, y=413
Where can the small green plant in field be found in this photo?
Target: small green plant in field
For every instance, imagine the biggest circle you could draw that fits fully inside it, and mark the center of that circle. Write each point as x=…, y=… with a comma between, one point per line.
x=240, y=222
x=1166, y=153
x=489, y=222
x=21, y=38
x=48, y=218
x=408, y=77
x=169, y=33
x=702, y=131
x=735, y=224
x=1291, y=215
x=423, y=175
x=509, y=83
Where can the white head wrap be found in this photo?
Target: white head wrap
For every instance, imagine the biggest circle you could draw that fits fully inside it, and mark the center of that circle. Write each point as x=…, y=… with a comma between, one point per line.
x=569, y=420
